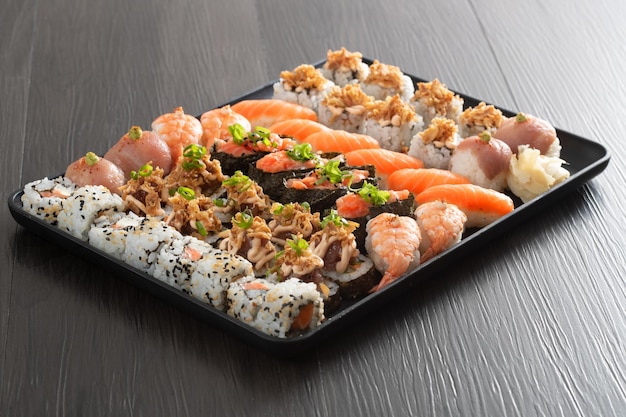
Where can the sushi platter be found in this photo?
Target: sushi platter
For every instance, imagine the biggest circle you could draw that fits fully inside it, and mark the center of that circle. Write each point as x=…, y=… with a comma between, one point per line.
x=206, y=264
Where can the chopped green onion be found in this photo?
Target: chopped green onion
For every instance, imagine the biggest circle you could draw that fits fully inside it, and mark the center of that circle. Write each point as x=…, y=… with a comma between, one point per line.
x=194, y=151
x=239, y=180
x=332, y=172
x=334, y=218
x=201, y=229
x=298, y=244
x=220, y=202
x=243, y=219
x=238, y=133
x=520, y=117
x=186, y=193
x=278, y=209
x=91, y=159
x=194, y=164
x=145, y=170
x=171, y=191
x=372, y=195
x=135, y=133
x=302, y=152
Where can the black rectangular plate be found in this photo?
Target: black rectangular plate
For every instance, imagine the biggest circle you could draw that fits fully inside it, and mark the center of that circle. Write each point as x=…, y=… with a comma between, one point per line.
x=585, y=159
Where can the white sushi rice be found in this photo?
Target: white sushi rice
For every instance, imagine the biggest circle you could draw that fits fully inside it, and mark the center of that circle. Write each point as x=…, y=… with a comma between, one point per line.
x=308, y=98
x=109, y=233
x=350, y=119
x=393, y=136
x=274, y=309
x=80, y=210
x=345, y=76
x=379, y=92
x=44, y=198
x=464, y=163
x=213, y=275
x=145, y=240
x=432, y=156
x=453, y=110
x=174, y=264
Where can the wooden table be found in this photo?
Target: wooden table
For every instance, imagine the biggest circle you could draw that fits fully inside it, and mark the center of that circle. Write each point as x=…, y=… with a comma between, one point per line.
x=531, y=325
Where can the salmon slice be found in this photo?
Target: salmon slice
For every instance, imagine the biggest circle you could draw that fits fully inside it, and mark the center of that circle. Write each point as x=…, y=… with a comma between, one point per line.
x=482, y=206
x=418, y=180
x=298, y=129
x=266, y=112
x=340, y=141
x=385, y=161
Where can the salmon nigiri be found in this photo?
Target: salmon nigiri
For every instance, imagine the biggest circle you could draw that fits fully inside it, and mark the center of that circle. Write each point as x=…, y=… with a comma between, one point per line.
x=340, y=141
x=417, y=180
x=384, y=160
x=266, y=112
x=298, y=129
x=481, y=205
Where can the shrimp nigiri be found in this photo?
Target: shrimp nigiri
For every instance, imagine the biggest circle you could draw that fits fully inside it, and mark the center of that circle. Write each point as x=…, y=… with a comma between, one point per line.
x=417, y=180
x=266, y=112
x=393, y=245
x=442, y=226
x=92, y=170
x=178, y=130
x=215, y=124
x=481, y=205
x=138, y=147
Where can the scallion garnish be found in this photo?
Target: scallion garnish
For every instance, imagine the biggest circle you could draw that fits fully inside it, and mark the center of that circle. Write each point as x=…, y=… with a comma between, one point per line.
x=298, y=244
x=239, y=180
x=243, y=219
x=201, y=229
x=186, y=193
x=372, y=195
x=334, y=218
x=238, y=133
x=302, y=152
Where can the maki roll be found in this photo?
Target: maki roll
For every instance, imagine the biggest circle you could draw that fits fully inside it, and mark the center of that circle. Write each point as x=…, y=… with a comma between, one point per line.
x=251, y=238
x=434, y=145
x=246, y=148
x=293, y=219
x=196, y=171
x=305, y=85
x=193, y=215
x=392, y=122
x=386, y=80
x=144, y=192
x=433, y=99
x=145, y=240
x=279, y=309
x=321, y=187
x=475, y=120
x=336, y=245
x=344, y=108
x=344, y=67
x=87, y=203
x=274, y=169
x=44, y=198
x=242, y=194
x=109, y=233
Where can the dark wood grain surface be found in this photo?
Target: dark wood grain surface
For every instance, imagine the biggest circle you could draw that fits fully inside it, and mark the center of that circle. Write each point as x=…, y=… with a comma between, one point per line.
x=531, y=325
